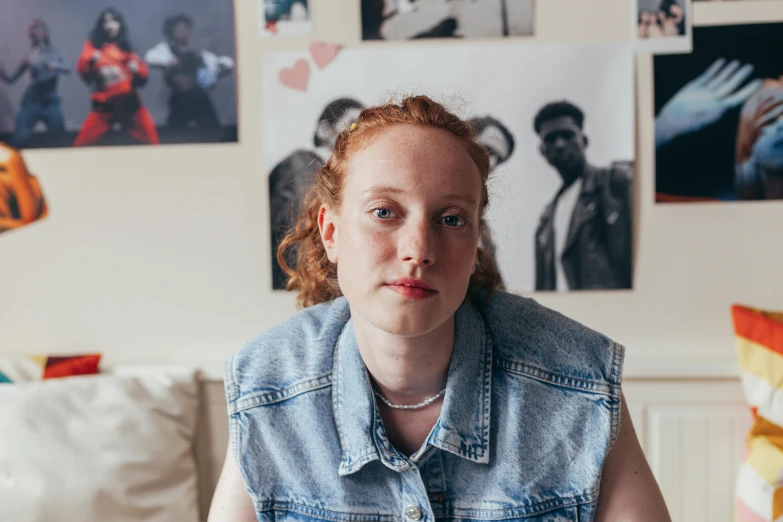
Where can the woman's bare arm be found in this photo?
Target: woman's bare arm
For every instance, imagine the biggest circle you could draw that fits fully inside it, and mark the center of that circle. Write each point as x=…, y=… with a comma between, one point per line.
x=629, y=491
x=231, y=501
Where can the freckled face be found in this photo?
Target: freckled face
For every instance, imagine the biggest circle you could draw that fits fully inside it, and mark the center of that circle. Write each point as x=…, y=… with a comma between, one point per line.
x=410, y=210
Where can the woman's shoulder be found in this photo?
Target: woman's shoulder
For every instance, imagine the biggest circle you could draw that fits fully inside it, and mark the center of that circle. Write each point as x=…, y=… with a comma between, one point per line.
x=298, y=348
x=528, y=334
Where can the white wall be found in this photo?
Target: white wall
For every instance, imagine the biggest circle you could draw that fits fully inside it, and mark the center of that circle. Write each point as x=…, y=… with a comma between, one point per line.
x=161, y=254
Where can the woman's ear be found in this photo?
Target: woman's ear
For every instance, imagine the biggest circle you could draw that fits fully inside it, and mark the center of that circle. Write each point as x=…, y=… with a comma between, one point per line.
x=327, y=226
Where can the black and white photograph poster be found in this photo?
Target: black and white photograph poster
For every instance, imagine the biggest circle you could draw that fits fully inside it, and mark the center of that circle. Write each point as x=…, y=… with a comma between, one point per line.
x=558, y=125
x=718, y=116
x=286, y=18
x=663, y=26
x=415, y=19
x=83, y=73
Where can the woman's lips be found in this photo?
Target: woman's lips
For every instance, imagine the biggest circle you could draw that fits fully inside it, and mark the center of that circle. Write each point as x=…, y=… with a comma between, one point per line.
x=411, y=292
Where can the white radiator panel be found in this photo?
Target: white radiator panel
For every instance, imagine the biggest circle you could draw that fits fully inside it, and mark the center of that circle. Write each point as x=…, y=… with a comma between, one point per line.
x=693, y=433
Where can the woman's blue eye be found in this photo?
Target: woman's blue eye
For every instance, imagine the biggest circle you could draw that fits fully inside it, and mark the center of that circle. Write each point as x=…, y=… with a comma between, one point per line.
x=453, y=221
x=383, y=213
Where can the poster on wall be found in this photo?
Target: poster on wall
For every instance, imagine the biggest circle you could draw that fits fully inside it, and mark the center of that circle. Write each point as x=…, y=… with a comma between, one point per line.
x=415, y=19
x=718, y=122
x=83, y=73
x=286, y=18
x=663, y=26
x=558, y=127
x=21, y=198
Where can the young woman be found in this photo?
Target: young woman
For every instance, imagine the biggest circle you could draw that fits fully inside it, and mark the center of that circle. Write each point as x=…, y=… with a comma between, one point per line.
x=114, y=72
x=41, y=101
x=410, y=388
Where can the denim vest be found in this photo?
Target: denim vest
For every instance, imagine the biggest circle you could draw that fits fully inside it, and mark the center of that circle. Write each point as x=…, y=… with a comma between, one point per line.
x=531, y=409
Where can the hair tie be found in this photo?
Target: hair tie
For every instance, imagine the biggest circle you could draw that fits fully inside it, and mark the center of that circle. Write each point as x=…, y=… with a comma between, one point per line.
x=353, y=126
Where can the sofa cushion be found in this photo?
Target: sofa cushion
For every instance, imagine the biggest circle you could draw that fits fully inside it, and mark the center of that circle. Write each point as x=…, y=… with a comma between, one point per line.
x=99, y=448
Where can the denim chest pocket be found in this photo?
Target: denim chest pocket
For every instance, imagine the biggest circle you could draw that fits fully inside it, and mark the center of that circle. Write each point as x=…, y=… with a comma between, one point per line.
x=287, y=512
x=572, y=513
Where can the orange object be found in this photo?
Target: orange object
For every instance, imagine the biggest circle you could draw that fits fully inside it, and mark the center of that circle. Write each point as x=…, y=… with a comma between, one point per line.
x=68, y=366
x=21, y=199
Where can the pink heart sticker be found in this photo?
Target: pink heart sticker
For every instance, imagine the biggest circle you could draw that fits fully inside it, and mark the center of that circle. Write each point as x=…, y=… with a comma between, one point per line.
x=295, y=77
x=323, y=53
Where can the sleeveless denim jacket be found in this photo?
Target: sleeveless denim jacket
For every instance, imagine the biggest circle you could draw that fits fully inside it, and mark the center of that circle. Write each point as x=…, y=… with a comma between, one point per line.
x=532, y=407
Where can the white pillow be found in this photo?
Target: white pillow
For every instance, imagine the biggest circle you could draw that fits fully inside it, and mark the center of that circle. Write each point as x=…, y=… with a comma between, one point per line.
x=99, y=448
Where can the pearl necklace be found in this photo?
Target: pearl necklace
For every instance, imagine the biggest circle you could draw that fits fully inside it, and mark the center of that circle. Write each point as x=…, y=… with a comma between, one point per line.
x=409, y=406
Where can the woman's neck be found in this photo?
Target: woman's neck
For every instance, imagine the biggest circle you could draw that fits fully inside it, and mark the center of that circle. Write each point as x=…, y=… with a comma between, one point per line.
x=406, y=370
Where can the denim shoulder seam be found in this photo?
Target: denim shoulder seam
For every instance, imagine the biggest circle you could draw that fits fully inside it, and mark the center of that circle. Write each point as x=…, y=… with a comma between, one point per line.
x=618, y=357
x=616, y=413
x=575, y=383
x=264, y=398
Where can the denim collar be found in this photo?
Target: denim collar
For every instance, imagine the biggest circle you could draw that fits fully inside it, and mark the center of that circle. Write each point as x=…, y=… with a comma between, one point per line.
x=463, y=425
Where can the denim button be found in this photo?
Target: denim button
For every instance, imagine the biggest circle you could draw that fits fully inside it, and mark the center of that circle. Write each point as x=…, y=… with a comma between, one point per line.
x=413, y=512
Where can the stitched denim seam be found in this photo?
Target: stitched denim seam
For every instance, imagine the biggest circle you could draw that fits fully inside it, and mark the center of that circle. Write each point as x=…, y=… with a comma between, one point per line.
x=360, y=460
x=529, y=510
x=575, y=383
x=302, y=509
x=618, y=351
x=457, y=450
x=457, y=513
x=487, y=389
x=336, y=398
x=615, y=420
x=266, y=398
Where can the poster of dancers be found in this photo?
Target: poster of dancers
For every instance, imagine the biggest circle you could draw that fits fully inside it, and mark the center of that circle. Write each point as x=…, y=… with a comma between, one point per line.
x=84, y=73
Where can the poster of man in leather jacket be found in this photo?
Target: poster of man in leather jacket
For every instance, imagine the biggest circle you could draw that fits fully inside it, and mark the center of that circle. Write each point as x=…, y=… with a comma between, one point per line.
x=501, y=102
x=583, y=240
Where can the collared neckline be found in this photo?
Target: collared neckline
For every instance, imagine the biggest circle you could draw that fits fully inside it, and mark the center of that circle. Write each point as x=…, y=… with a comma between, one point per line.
x=463, y=425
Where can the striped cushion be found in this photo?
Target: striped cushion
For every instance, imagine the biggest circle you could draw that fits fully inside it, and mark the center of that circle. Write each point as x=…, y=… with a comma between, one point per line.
x=759, y=341
x=18, y=368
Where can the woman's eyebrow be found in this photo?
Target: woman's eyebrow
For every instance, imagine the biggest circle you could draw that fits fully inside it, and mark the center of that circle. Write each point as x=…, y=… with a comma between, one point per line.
x=387, y=189
x=377, y=191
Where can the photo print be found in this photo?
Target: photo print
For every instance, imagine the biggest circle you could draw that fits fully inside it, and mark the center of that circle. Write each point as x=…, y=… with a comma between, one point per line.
x=558, y=127
x=21, y=197
x=286, y=18
x=663, y=26
x=415, y=19
x=84, y=73
x=718, y=125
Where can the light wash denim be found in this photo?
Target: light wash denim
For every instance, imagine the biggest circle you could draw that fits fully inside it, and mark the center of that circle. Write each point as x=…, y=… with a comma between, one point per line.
x=531, y=409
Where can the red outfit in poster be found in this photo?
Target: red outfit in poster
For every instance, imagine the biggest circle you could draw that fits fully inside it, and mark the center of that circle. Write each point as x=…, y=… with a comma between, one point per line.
x=114, y=74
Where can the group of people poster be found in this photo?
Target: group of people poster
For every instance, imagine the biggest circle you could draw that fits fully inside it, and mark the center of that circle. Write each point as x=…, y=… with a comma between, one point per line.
x=558, y=125
x=86, y=73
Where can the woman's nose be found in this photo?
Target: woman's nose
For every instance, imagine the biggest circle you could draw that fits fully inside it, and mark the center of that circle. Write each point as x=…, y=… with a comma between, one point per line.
x=418, y=243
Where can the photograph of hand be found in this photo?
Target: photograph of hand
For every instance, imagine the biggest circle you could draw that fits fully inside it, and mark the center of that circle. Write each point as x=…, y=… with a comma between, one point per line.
x=704, y=100
x=718, y=131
